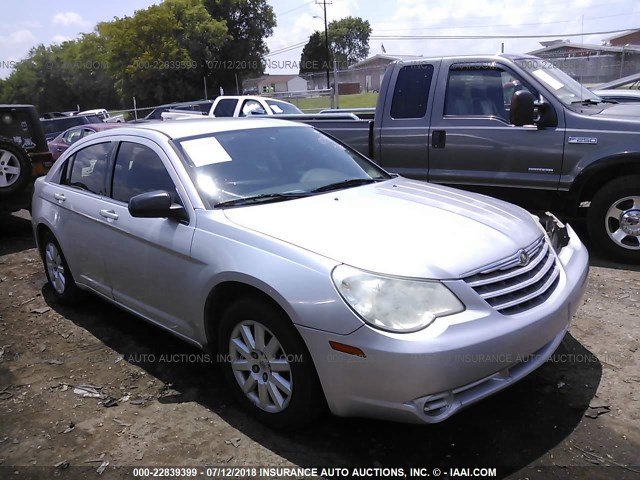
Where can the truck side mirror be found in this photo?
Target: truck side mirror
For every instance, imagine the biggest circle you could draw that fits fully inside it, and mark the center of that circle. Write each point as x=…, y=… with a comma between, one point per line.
x=522, y=109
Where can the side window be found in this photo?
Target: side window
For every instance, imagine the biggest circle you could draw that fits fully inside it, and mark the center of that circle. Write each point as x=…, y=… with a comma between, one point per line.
x=138, y=169
x=412, y=91
x=249, y=106
x=225, y=107
x=72, y=135
x=89, y=169
x=480, y=91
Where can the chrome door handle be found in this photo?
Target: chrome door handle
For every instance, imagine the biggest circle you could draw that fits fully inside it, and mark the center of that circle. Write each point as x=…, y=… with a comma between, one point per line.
x=59, y=196
x=109, y=214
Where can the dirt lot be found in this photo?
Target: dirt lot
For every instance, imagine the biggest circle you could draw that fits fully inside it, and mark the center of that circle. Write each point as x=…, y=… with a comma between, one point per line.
x=578, y=416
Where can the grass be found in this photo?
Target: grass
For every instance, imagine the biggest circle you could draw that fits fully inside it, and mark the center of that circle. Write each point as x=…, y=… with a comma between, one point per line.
x=346, y=101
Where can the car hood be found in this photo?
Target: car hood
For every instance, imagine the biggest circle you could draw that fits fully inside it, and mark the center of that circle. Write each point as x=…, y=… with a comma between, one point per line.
x=625, y=110
x=398, y=227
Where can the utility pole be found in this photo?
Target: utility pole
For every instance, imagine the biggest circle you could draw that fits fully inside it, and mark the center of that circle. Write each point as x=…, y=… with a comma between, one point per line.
x=326, y=40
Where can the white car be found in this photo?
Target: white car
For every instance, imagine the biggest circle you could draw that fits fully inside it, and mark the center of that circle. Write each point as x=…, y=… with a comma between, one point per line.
x=103, y=114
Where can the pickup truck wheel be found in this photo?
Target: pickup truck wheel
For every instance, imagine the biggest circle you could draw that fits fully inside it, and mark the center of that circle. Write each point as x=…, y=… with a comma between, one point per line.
x=58, y=273
x=15, y=168
x=614, y=219
x=268, y=366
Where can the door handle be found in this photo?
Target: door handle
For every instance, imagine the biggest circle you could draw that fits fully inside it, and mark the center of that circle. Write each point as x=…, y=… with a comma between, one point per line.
x=59, y=196
x=438, y=138
x=109, y=214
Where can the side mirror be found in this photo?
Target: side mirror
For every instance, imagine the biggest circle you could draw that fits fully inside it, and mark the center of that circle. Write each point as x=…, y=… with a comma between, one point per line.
x=258, y=111
x=522, y=108
x=156, y=204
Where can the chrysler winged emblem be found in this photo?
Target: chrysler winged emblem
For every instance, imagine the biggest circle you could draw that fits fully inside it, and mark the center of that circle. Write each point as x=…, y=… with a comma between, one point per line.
x=524, y=257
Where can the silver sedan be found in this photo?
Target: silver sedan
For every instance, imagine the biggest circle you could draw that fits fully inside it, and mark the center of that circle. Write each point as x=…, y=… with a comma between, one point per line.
x=315, y=278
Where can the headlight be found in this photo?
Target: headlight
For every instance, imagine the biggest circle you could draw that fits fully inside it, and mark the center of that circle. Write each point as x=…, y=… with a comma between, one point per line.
x=394, y=304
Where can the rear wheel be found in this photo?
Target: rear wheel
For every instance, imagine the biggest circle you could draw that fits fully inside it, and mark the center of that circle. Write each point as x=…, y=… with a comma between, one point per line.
x=15, y=168
x=268, y=366
x=58, y=273
x=614, y=219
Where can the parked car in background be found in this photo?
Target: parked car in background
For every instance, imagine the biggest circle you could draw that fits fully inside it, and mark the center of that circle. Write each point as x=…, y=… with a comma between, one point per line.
x=201, y=106
x=622, y=90
x=55, y=126
x=238, y=106
x=104, y=115
x=59, y=145
x=24, y=155
x=314, y=276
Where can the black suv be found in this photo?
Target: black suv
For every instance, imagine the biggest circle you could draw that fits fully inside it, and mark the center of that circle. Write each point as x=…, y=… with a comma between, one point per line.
x=24, y=155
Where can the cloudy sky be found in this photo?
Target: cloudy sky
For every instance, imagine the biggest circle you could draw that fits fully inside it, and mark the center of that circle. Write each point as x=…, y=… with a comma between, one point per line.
x=26, y=23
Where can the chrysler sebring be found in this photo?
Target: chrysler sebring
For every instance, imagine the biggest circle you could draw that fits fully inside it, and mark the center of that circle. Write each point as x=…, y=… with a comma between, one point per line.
x=316, y=278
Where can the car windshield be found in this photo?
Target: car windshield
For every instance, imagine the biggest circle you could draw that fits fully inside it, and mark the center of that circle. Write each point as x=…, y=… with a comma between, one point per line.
x=568, y=90
x=240, y=167
x=283, y=107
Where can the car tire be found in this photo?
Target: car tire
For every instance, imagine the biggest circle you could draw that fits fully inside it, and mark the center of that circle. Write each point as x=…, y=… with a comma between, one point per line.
x=268, y=366
x=15, y=168
x=58, y=273
x=614, y=219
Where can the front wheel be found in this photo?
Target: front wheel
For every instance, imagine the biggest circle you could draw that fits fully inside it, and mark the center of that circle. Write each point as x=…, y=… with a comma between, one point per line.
x=268, y=365
x=614, y=219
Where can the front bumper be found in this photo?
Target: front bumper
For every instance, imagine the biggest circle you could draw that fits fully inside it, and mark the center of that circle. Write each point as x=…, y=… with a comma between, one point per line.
x=427, y=376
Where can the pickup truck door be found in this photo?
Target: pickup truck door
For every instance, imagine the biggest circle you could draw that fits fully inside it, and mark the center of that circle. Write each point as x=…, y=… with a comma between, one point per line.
x=474, y=146
x=404, y=132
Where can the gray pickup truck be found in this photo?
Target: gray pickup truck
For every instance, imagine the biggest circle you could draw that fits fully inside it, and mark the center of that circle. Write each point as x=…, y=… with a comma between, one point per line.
x=513, y=127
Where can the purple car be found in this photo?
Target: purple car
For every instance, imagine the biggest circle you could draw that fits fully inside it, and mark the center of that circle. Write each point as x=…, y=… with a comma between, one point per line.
x=58, y=145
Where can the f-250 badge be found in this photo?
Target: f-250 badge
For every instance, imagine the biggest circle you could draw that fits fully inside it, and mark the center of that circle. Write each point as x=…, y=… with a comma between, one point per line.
x=588, y=140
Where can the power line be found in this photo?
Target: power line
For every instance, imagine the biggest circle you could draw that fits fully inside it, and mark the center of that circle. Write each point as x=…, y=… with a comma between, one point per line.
x=294, y=9
x=457, y=37
x=488, y=37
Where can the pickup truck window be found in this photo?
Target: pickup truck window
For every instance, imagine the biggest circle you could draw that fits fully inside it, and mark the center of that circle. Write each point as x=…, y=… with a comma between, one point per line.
x=412, y=91
x=481, y=91
x=225, y=107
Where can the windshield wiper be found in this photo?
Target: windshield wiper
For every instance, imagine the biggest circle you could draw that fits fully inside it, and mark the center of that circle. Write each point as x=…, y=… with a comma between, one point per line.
x=352, y=182
x=262, y=198
x=586, y=101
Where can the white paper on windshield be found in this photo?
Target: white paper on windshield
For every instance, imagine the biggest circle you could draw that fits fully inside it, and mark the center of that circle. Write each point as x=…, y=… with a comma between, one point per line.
x=548, y=79
x=276, y=109
x=205, y=151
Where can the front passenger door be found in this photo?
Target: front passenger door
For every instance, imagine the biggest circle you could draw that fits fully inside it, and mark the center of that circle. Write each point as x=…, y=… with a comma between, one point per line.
x=148, y=260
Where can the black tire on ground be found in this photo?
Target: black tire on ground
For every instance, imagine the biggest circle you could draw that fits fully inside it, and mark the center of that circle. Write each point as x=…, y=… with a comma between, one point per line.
x=58, y=273
x=265, y=367
x=15, y=168
x=616, y=233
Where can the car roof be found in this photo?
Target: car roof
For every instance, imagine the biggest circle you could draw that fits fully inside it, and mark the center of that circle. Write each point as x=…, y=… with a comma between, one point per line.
x=176, y=129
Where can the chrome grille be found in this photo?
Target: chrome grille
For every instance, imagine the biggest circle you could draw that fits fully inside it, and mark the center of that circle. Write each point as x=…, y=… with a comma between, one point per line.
x=511, y=287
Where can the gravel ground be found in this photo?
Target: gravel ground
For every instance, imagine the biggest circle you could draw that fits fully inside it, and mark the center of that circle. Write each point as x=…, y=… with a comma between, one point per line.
x=161, y=403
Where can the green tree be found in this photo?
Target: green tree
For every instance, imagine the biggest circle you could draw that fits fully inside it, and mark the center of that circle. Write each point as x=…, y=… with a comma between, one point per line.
x=160, y=53
x=248, y=23
x=314, y=54
x=350, y=39
x=348, y=44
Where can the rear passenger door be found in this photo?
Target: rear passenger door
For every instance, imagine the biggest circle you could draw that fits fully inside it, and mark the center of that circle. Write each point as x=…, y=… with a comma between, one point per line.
x=404, y=132
x=474, y=145
x=79, y=200
x=148, y=260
